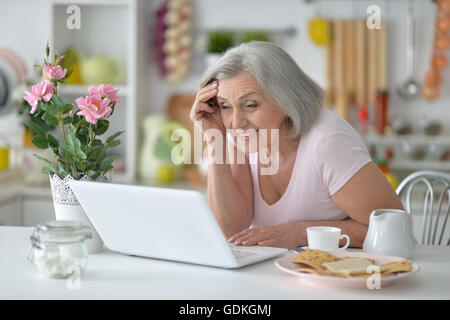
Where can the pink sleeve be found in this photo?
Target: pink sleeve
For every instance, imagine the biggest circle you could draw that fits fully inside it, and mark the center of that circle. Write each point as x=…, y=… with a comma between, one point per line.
x=338, y=157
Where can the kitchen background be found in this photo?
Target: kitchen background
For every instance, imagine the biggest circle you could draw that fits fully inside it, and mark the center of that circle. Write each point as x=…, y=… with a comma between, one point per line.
x=157, y=78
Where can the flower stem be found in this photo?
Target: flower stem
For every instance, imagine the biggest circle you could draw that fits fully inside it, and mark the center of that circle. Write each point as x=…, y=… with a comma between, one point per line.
x=91, y=135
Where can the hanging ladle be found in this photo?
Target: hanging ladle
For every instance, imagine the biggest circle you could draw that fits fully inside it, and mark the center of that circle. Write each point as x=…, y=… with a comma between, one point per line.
x=411, y=88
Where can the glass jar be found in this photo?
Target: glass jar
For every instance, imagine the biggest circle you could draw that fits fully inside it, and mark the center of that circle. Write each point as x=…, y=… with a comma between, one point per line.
x=59, y=249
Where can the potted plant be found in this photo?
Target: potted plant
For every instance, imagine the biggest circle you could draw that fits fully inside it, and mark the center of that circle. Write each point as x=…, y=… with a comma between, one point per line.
x=79, y=154
x=253, y=36
x=218, y=43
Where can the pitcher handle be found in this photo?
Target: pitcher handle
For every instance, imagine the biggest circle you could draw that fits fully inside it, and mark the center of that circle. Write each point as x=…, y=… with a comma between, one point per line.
x=346, y=244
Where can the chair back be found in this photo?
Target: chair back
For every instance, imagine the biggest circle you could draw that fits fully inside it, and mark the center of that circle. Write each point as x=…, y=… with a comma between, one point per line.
x=435, y=205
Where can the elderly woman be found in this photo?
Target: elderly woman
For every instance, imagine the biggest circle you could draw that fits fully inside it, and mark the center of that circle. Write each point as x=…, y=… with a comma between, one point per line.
x=325, y=175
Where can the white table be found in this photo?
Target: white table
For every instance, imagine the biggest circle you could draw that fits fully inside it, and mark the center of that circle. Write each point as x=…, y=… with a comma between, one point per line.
x=112, y=275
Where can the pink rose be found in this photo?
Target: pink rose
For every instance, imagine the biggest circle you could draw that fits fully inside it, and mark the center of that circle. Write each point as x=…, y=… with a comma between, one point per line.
x=39, y=92
x=93, y=108
x=53, y=72
x=107, y=91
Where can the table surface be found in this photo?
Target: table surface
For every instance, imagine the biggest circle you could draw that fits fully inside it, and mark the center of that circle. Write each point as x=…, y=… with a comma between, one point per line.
x=112, y=275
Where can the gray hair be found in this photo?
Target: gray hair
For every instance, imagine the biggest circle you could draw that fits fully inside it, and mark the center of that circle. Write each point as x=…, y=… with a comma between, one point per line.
x=279, y=76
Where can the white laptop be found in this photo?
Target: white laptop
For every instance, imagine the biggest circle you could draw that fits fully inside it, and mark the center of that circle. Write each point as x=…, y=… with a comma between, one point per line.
x=162, y=223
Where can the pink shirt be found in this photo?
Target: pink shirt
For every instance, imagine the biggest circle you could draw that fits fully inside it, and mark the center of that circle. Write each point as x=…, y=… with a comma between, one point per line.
x=328, y=155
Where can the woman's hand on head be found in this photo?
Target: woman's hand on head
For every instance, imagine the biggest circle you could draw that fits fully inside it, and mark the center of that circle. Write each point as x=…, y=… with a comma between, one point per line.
x=201, y=111
x=280, y=236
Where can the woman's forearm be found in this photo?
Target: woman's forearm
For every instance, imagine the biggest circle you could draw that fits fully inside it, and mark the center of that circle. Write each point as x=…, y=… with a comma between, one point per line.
x=226, y=200
x=355, y=230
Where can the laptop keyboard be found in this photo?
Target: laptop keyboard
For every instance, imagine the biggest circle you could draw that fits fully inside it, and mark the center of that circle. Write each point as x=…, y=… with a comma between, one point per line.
x=240, y=254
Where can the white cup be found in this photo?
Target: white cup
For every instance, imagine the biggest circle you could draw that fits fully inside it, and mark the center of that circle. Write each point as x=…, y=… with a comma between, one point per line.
x=326, y=238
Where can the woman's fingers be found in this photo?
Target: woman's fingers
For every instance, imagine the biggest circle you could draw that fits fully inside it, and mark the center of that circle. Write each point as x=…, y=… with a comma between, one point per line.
x=203, y=107
x=247, y=234
x=236, y=236
x=199, y=109
x=206, y=95
x=252, y=233
x=257, y=239
x=201, y=104
x=274, y=242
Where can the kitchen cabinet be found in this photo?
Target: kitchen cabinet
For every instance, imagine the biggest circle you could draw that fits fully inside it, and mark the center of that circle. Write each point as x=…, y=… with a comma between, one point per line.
x=26, y=210
x=9, y=212
x=110, y=28
x=36, y=210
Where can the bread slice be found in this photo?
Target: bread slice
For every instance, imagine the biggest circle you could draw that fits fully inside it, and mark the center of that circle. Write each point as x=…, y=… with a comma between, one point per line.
x=350, y=266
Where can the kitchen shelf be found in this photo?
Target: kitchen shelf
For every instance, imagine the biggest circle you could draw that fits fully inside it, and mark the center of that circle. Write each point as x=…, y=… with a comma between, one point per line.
x=410, y=138
x=394, y=140
x=419, y=165
x=99, y=20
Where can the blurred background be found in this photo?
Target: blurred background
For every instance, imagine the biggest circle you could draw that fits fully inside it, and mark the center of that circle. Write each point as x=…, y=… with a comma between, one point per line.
x=382, y=63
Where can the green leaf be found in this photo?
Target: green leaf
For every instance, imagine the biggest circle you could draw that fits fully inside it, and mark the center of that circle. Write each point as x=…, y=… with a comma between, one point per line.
x=59, y=102
x=62, y=172
x=114, y=136
x=67, y=108
x=97, y=142
x=42, y=123
x=50, y=120
x=100, y=127
x=96, y=175
x=75, y=119
x=83, y=131
x=83, y=139
x=106, y=163
x=40, y=141
x=68, y=120
x=55, y=152
x=36, y=128
x=94, y=153
x=113, y=144
x=52, y=141
x=43, y=159
x=66, y=149
x=75, y=146
x=50, y=107
x=48, y=170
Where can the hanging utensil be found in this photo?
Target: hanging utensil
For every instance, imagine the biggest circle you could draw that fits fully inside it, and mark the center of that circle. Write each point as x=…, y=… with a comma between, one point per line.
x=329, y=74
x=349, y=60
x=340, y=89
x=410, y=88
x=372, y=65
x=330, y=70
x=382, y=94
x=361, y=77
x=382, y=57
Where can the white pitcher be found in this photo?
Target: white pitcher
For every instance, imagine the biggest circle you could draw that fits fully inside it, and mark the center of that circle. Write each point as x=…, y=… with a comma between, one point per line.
x=390, y=233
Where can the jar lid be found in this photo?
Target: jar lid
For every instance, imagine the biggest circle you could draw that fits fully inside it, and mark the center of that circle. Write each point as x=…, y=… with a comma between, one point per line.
x=60, y=231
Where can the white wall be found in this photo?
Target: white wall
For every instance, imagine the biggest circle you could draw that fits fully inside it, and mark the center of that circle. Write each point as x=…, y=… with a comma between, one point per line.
x=23, y=28
x=279, y=14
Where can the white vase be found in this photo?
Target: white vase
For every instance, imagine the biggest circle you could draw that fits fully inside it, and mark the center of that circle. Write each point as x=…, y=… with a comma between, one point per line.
x=67, y=207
